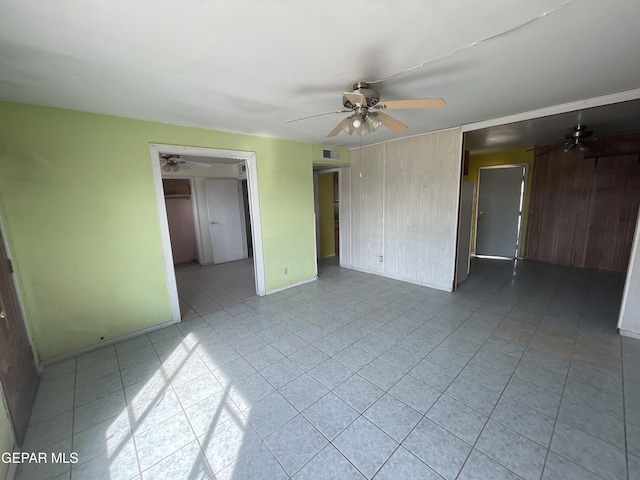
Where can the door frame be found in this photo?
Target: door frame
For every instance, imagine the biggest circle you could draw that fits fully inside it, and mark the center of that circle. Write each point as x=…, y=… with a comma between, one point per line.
x=523, y=193
x=254, y=209
x=316, y=206
x=194, y=207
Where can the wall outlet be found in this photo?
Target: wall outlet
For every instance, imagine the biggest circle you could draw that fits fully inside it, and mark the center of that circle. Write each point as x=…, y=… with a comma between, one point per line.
x=286, y=270
x=380, y=258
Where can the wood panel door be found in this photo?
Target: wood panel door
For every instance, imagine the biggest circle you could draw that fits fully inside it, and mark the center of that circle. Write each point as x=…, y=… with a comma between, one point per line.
x=17, y=370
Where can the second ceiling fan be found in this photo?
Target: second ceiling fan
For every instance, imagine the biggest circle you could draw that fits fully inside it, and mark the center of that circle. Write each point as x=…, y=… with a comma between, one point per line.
x=365, y=104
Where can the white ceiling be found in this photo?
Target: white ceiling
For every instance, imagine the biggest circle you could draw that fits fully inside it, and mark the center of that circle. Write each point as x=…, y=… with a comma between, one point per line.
x=248, y=66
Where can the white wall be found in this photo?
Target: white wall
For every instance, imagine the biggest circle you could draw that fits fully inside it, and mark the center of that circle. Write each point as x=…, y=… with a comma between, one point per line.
x=629, y=320
x=399, y=200
x=217, y=170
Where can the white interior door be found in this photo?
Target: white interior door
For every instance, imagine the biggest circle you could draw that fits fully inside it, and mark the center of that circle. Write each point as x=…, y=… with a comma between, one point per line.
x=225, y=224
x=499, y=209
x=464, y=240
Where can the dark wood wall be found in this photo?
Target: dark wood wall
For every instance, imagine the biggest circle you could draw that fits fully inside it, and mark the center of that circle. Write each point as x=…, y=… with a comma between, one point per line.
x=584, y=205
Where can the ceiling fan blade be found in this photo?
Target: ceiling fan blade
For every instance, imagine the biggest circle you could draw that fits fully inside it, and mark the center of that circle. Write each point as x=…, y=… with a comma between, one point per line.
x=412, y=103
x=390, y=122
x=338, y=127
x=355, y=98
x=317, y=115
x=184, y=166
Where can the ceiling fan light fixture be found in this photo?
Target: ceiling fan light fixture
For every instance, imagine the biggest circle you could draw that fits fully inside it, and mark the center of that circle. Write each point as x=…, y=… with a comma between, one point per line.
x=373, y=122
x=356, y=121
x=347, y=128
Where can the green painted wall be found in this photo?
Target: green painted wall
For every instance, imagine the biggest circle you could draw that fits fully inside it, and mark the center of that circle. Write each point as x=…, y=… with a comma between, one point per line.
x=326, y=215
x=78, y=203
x=522, y=155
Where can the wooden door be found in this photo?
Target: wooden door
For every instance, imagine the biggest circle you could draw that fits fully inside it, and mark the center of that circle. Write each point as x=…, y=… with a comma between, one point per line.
x=18, y=374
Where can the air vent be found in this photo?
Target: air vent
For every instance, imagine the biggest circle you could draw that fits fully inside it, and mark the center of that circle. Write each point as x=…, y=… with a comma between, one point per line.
x=332, y=154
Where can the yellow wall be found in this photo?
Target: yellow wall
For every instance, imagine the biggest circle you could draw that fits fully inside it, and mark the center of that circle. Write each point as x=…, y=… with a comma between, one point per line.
x=326, y=215
x=502, y=158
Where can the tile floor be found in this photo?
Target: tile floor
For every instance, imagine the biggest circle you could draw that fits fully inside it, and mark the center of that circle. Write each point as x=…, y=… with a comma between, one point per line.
x=520, y=374
x=208, y=289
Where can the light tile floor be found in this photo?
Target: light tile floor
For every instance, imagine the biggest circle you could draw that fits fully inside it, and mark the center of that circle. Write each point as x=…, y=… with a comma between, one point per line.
x=208, y=289
x=520, y=374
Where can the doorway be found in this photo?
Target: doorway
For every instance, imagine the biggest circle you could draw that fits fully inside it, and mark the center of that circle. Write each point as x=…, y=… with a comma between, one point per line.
x=327, y=213
x=18, y=376
x=249, y=169
x=500, y=206
x=179, y=197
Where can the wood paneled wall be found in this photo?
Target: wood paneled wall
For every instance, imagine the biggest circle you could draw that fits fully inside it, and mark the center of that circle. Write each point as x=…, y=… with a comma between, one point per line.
x=584, y=204
x=399, y=200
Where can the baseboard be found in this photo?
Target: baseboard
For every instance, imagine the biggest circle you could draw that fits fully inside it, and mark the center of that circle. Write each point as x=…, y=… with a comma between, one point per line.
x=112, y=341
x=328, y=256
x=287, y=287
x=395, y=277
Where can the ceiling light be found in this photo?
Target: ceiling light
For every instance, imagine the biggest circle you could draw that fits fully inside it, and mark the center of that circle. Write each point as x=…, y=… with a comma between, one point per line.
x=356, y=121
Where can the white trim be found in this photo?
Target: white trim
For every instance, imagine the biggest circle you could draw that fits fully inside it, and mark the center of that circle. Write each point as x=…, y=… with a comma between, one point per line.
x=254, y=210
x=297, y=284
x=256, y=221
x=36, y=360
x=161, y=210
x=456, y=231
x=328, y=256
x=555, y=110
x=321, y=171
x=628, y=333
x=448, y=129
x=106, y=343
x=397, y=277
x=630, y=273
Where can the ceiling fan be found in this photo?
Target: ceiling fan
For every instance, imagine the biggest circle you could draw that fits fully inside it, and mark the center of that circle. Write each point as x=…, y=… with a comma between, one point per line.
x=577, y=138
x=365, y=104
x=173, y=163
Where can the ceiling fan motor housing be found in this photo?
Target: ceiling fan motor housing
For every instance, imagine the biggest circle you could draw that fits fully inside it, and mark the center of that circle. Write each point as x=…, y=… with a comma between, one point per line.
x=372, y=96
